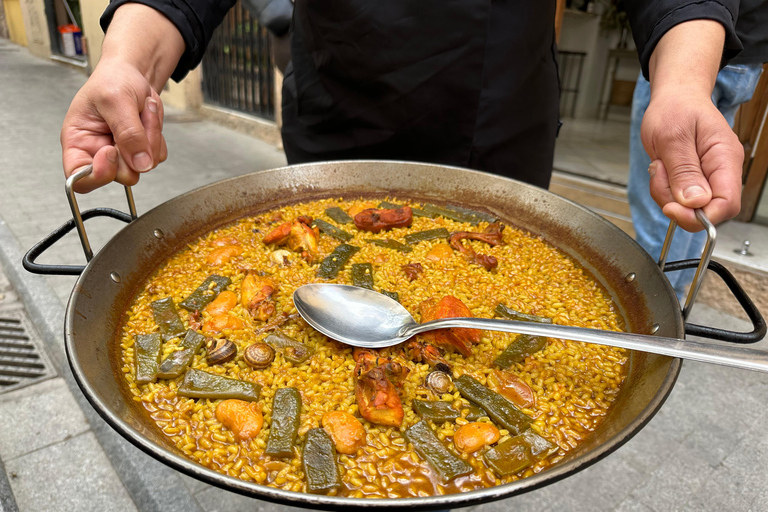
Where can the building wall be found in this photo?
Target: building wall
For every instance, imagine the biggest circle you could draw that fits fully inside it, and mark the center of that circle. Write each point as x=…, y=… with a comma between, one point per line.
x=91, y=10
x=36, y=27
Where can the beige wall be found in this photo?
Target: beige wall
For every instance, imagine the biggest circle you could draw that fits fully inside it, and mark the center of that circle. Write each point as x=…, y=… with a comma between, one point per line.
x=91, y=10
x=186, y=95
x=36, y=25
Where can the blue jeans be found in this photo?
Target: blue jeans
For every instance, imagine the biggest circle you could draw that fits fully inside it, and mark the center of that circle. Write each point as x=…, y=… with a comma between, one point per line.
x=735, y=85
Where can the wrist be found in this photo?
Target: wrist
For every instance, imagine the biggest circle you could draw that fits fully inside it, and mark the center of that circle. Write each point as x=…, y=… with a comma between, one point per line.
x=144, y=39
x=686, y=60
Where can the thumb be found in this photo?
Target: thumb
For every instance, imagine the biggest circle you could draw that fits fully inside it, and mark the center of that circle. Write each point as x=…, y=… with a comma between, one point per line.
x=687, y=183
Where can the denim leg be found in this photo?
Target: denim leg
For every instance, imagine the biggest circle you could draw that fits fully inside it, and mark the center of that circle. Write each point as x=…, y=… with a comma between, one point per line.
x=734, y=86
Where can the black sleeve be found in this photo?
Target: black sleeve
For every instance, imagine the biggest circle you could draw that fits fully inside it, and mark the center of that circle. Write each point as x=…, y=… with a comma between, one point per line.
x=275, y=15
x=650, y=20
x=195, y=19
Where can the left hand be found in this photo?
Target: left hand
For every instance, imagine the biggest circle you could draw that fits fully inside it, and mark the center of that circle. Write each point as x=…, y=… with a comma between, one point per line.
x=696, y=158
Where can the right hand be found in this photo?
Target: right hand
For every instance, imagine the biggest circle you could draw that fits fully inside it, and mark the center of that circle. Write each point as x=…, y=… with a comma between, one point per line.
x=114, y=122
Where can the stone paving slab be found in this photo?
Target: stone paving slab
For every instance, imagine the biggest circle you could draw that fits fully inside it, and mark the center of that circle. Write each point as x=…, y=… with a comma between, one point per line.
x=37, y=416
x=52, y=478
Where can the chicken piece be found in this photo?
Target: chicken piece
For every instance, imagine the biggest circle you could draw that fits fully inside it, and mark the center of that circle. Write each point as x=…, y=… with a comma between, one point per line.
x=412, y=270
x=256, y=296
x=425, y=353
x=222, y=322
x=513, y=388
x=368, y=359
x=459, y=338
x=491, y=235
x=346, y=431
x=243, y=418
x=298, y=236
x=374, y=220
x=377, y=399
x=225, y=301
x=194, y=321
x=276, y=322
x=222, y=255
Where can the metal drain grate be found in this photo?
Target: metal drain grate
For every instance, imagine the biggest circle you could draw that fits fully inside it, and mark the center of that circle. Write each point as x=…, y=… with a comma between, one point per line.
x=21, y=360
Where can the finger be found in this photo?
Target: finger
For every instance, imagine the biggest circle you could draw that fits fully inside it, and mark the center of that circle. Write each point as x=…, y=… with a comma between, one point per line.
x=125, y=175
x=687, y=182
x=104, y=171
x=723, y=166
x=163, y=150
x=662, y=194
x=150, y=119
x=123, y=118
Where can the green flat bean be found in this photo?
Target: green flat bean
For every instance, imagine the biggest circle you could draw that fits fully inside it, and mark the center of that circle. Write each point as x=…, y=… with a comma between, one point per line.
x=286, y=413
x=511, y=314
x=338, y=215
x=177, y=362
x=392, y=206
x=205, y=293
x=459, y=214
x=447, y=465
x=436, y=411
x=166, y=317
x=200, y=384
x=391, y=295
x=509, y=457
x=318, y=459
x=475, y=413
x=147, y=354
x=362, y=275
x=334, y=262
x=331, y=230
x=430, y=234
x=499, y=409
x=516, y=352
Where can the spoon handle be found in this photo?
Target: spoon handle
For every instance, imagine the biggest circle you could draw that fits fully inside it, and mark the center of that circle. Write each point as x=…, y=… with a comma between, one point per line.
x=738, y=357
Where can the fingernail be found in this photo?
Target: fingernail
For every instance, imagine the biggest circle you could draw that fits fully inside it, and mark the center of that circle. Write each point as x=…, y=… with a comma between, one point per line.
x=142, y=162
x=693, y=192
x=112, y=155
x=152, y=105
x=652, y=169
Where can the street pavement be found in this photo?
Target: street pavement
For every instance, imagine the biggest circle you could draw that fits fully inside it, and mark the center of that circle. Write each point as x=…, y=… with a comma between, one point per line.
x=704, y=450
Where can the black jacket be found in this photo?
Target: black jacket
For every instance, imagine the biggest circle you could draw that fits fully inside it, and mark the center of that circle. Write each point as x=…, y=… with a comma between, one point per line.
x=471, y=83
x=650, y=19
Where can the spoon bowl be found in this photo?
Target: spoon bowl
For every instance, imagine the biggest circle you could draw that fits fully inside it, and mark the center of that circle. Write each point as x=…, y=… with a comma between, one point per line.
x=366, y=318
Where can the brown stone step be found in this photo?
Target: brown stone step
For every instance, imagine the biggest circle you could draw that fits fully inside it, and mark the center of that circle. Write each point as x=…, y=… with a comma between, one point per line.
x=607, y=200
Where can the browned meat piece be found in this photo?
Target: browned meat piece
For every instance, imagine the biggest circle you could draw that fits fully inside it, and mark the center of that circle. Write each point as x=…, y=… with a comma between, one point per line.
x=376, y=220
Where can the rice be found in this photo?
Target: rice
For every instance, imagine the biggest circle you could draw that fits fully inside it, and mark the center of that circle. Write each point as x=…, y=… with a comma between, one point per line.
x=574, y=383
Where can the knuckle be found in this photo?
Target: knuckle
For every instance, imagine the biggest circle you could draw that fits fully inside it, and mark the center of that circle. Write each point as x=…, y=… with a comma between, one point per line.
x=129, y=135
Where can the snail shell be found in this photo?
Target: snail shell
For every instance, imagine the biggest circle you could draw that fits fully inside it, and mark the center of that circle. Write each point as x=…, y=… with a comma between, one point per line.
x=259, y=355
x=220, y=350
x=439, y=382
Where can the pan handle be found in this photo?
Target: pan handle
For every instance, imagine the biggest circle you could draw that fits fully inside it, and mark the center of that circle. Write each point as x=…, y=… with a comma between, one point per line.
x=75, y=222
x=758, y=323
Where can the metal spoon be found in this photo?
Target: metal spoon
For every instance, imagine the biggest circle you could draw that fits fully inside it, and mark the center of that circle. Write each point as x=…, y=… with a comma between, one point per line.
x=369, y=319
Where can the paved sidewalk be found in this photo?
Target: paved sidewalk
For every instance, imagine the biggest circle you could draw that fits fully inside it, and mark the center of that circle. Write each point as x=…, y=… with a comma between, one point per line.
x=704, y=450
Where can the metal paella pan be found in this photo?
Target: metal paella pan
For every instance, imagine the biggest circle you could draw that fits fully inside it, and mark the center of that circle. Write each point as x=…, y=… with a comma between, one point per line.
x=111, y=279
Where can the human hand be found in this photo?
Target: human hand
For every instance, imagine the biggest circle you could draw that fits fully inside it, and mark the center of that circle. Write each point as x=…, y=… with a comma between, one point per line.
x=696, y=158
x=114, y=122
